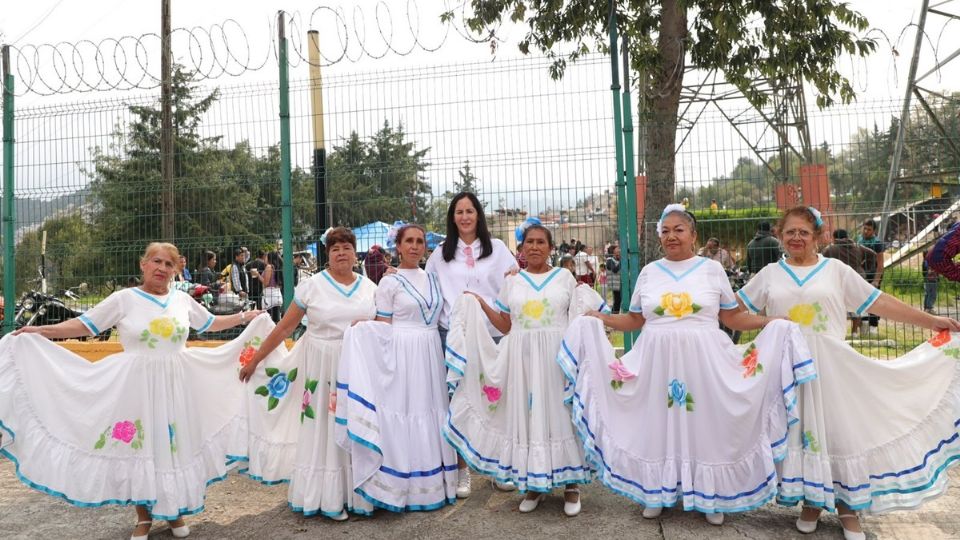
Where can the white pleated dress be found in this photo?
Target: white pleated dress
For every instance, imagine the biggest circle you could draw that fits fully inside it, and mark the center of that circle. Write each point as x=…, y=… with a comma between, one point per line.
x=392, y=399
x=877, y=435
x=322, y=479
x=686, y=418
x=508, y=418
x=153, y=425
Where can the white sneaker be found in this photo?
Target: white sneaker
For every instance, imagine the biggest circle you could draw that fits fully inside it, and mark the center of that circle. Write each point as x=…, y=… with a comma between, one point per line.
x=715, y=518
x=463, y=483
x=651, y=512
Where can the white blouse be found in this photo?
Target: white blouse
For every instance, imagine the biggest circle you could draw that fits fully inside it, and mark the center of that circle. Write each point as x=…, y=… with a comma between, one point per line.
x=485, y=278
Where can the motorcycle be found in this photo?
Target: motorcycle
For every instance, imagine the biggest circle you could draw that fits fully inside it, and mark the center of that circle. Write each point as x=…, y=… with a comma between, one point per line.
x=35, y=308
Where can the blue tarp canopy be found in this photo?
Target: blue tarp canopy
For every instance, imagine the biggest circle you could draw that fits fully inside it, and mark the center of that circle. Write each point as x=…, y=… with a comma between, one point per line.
x=370, y=234
x=434, y=239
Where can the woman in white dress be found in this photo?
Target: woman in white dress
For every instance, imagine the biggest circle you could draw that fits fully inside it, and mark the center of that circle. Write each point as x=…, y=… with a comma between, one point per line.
x=322, y=482
x=874, y=435
x=685, y=418
x=469, y=259
x=507, y=417
x=151, y=426
x=391, y=392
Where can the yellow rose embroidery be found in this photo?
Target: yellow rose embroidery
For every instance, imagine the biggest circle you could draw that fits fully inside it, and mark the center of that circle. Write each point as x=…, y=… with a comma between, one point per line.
x=811, y=315
x=533, y=309
x=163, y=327
x=802, y=314
x=677, y=305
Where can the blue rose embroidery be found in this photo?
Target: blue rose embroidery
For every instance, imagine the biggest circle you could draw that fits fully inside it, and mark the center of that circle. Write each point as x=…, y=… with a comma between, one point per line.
x=277, y=387
x=677, y=394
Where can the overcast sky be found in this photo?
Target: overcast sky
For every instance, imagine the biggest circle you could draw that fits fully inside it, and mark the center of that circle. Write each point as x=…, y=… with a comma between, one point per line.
x=878, y=80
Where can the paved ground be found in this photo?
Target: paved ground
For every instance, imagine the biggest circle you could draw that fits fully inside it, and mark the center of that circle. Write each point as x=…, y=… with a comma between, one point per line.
x=240, y=508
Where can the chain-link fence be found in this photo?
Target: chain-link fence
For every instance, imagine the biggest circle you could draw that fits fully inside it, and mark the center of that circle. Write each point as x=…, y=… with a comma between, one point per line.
x=399, y=142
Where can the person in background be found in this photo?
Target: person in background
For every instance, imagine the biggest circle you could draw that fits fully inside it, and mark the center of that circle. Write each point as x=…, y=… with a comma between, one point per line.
x=585, y=270
x=940, y=258
x=183, y=273
x=374, y=264
x=714, y=206
x=613, y=276
x=207, y=276
x=763, y=249
x=713, y=251
x=873, y=272
x=239, y=278
x=272, y=280
x=256, y=268
x=931, y=282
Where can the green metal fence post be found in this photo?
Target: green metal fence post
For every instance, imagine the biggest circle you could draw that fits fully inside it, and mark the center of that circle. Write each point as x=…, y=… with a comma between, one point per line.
x=632, y=256
x=286, y=205
x=9, y=218
x=623, y=217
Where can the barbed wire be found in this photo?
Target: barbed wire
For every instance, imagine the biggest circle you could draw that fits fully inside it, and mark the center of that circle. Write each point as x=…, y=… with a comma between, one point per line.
x=227, y=49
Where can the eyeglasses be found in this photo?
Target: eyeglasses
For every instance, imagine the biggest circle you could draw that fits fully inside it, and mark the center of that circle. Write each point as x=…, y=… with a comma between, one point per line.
x=801, y=233
x=468, y=252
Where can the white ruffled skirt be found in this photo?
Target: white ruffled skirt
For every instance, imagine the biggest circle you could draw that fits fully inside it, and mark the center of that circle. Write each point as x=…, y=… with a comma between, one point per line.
x=152, y=430
x=508, y=418
x=391, y=403
x=875, y=435
x=686, y=418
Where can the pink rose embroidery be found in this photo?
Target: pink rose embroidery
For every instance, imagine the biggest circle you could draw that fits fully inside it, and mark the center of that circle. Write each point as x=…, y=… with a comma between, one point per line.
x=306, y=400
x=332, y=403
x=492, y=393
x=124, y=431
x=620, y=374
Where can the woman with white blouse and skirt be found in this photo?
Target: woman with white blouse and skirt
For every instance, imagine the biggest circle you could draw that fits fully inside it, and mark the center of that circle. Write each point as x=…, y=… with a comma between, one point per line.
x=469, y=260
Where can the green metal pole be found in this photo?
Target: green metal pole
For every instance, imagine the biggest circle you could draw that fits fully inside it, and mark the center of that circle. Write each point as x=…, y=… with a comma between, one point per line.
x=623, y=217
x=286, y=204
x=633, y=247
x=9, y=218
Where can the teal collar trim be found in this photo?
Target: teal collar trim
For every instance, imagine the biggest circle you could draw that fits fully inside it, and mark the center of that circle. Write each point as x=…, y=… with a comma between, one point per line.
x=538, y=288
x=675, y=277
x=340, y=289
x=152, y=298
x=798, y=281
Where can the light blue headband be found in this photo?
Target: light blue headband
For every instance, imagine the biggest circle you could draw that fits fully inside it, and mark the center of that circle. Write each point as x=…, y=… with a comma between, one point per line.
x=816, y=216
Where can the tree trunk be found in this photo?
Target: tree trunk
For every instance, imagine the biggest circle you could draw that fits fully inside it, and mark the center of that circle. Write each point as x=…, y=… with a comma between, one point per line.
x=661, y=131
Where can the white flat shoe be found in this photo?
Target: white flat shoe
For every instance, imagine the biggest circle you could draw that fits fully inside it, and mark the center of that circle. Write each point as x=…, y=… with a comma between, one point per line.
x=848, y=534
x=651, y=512
x=463, y=483
x=807, y=527
x=505, y=486
x=342, y=516
x=529, y=505
x=182, y=531
x=715, y=518
x=571, y=508
x=142, y=536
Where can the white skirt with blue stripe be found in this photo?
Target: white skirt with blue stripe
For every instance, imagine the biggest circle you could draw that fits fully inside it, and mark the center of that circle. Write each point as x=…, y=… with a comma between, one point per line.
x=686, y=418
x=391, y=404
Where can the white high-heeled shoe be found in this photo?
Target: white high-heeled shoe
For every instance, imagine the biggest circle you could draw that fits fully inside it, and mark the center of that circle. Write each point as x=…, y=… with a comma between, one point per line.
x=715, y=518
x=847, y=533
x=651, y=512
x=141, y=536
x=807, y=527
x=529, y=505
x=571, y=508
